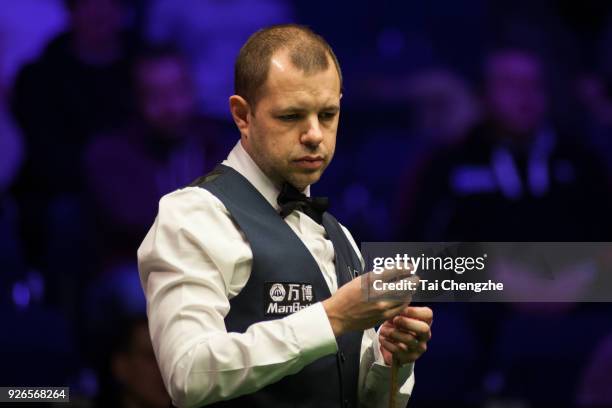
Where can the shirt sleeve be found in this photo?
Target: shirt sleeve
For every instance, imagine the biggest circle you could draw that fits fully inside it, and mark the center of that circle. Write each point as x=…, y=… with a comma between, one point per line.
x=188, y=275
x=374, y=373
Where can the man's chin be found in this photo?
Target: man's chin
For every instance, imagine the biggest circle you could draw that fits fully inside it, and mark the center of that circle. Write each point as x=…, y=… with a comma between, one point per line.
x=301, y=181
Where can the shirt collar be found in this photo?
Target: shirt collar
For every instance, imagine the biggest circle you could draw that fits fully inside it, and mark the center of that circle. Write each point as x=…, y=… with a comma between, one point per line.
x=241, y=161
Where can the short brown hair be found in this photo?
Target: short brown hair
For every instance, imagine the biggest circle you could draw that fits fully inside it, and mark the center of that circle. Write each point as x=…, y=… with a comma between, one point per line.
x=308, y=52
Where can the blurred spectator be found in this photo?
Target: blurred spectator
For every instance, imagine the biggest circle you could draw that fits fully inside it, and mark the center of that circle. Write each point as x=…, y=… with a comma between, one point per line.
x=130, y=377
x=441, y=108
x=79, y=86
x=594, y=92
x=514, y=164
x=444, y=109
x=210, y=33
x=164, y=148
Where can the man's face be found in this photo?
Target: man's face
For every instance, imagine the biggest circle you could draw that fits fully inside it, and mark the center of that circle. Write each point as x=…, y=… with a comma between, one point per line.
x=166, y=99
x=291, y=135
x=515, y=92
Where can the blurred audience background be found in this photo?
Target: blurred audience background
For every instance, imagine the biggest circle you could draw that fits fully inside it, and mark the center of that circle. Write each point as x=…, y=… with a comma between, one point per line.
x=461, y=121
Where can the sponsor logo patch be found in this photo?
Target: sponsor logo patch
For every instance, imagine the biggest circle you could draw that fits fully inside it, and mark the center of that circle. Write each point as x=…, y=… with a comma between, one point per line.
x=285, y=298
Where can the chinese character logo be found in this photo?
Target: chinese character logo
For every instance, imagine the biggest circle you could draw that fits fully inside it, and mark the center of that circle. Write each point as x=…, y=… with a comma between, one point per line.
x=277, y=292
x=307, y=292
x=294, y=291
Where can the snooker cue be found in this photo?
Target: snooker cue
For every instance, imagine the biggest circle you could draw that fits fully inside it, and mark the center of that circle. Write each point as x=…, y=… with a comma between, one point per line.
x=394, y=384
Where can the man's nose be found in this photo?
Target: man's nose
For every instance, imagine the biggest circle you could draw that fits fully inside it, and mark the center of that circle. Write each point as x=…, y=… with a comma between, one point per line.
x=312, y=134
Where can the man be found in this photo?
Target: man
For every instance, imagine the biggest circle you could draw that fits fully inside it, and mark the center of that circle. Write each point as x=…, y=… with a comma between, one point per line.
x=78, y=87
x=231, y=255
x=515, y=163
x=130, y=376
x=164, y=147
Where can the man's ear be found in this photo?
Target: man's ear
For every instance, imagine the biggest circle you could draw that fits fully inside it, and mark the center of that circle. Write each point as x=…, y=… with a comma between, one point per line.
x=240, y=112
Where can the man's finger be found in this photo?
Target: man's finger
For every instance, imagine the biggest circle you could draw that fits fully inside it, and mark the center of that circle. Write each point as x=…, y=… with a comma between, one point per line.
x=398, y=336
x=395, y=348
x=377, y=288
x=417, y=327
x=424, y=314
x=391, y=285
x=394, y=275
x=392, y=312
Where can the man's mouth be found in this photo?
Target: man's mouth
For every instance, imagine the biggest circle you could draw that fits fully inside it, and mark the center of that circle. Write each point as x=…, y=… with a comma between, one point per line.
x=309, y=162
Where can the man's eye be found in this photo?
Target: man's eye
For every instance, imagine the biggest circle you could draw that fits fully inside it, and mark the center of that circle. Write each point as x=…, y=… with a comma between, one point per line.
x=290, y=117
x=327, y=115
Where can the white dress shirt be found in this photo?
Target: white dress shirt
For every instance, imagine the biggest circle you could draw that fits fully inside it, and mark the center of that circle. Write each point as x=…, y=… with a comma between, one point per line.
x=193, y=260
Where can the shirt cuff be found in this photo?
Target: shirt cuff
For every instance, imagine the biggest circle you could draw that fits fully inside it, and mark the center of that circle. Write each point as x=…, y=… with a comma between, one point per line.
x=378, y=356
x=313, y=332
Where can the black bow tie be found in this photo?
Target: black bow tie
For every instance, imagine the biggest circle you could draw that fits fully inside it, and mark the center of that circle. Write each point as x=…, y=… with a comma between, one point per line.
x=291, y=199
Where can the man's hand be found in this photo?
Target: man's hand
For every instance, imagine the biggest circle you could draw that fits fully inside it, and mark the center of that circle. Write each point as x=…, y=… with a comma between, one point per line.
x=406, y=335
x=349, y=310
